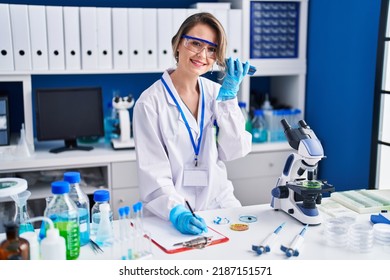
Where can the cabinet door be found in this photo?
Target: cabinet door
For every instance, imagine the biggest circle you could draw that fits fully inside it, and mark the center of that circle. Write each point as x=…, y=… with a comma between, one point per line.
x=124, y=174
x=255, y=175
x=254, y=191
x=124, y=197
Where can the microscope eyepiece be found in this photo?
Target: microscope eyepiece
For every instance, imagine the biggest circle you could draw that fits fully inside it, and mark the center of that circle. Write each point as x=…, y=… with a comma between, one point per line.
x=303, y=124
x=285, y=124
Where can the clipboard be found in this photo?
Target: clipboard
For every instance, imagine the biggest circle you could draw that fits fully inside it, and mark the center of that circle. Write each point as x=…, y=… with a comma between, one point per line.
x=164, y=236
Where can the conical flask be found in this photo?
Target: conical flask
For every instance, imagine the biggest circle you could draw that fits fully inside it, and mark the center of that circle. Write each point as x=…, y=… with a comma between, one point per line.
x=21, y=214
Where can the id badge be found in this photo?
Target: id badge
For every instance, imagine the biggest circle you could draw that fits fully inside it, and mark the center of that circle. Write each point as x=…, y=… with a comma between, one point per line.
x=195, y=177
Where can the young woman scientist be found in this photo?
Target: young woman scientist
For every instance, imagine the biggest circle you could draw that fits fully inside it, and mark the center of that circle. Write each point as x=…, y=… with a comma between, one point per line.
x=179, y=156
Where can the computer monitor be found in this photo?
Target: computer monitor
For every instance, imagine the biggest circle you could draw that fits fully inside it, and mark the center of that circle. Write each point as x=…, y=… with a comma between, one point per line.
x=67, y=114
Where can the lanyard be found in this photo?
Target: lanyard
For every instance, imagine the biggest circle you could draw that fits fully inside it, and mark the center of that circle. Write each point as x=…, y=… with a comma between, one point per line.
x=194, y=146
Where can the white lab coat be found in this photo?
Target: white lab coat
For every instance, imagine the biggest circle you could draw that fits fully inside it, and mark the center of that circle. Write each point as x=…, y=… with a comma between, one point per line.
x=163, y=148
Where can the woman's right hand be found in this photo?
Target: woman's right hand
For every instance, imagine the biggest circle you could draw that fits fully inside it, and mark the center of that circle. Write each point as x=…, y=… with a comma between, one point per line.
x=185, y=222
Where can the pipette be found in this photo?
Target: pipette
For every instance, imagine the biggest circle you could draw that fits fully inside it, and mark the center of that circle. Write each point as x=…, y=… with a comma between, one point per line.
x=265, y=246
x=293, y=250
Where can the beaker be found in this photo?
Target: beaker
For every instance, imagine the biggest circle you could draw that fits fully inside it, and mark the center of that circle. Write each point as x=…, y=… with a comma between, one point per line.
x=21, y=214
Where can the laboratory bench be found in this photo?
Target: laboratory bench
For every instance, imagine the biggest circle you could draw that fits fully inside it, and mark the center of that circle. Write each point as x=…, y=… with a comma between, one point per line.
x=239, y=245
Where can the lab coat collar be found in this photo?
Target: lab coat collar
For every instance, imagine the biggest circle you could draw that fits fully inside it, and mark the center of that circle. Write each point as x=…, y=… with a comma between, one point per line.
x=190, y=118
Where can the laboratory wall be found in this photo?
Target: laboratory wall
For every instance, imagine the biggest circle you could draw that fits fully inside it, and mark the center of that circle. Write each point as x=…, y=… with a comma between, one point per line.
x=342, y=41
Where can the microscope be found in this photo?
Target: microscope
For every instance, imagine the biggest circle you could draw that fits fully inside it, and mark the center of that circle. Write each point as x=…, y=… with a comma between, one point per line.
x=123, y=128
x=297, y=192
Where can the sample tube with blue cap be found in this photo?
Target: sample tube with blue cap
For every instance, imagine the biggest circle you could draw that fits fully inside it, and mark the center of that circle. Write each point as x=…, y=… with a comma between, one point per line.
x=130, y=239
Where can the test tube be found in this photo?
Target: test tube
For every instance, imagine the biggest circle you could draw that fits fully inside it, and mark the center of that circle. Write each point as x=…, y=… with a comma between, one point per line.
x=129, y=233
x=122, y=234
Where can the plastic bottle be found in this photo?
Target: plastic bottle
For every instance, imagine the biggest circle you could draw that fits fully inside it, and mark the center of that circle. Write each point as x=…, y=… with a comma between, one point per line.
x=64, y=213
x=100, y=197
x=259, y=132
x=267, y=104
x=52, y=247
x=248, y=121
x=105, y=232
x=82, y=202
x=32, y=239
x=14, y=247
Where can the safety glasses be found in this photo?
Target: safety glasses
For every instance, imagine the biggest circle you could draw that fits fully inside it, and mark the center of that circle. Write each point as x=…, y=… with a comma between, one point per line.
x=197, y=45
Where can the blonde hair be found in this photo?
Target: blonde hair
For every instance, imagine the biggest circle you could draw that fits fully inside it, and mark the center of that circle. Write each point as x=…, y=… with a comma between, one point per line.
x=210, y=20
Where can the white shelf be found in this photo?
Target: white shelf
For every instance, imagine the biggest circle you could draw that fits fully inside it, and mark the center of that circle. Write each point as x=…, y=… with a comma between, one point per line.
x=102, y=154
x=270, y=147
x=81, y=72
x=42, y=159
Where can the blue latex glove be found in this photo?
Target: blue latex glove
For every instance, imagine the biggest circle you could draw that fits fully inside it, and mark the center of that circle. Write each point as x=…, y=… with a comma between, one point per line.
x=185, y=222
x=235, y=72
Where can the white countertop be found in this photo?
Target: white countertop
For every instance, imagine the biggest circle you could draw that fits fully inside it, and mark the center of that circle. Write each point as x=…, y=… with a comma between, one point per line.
x=240, y=243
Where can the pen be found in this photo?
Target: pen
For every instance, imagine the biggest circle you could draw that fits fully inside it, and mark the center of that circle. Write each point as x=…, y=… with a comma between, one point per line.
x=193, y=214
x=189, y=207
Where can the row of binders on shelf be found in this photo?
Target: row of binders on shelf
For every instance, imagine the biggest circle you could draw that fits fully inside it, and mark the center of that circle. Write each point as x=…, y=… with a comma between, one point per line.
x=45, y=38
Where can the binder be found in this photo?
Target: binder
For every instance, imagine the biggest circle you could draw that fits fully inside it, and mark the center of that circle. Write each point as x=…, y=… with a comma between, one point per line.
x=20, y=37
x=104, y=38
x=6, y=49
x=72, y=38
x=212, y=5
x=222, y=16
x=164, y=35
x=120, y=38
x=179, y=15
x=55, y=37
x=88, y=27
x=164, y=235
x=136, y=38
x=150, y=38
x=191, y=11
x=234, y=33
x=37, y=23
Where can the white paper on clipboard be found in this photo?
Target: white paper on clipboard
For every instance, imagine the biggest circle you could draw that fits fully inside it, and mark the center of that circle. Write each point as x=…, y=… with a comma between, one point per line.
x=164, y=235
